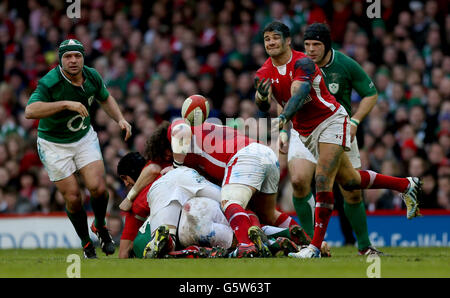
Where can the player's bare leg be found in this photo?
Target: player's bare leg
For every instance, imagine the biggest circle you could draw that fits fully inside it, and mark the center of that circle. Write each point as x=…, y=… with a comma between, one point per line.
x=125, y=247
x=326, y=170
x=301, y=172
x=74, y=208
x=93, y=176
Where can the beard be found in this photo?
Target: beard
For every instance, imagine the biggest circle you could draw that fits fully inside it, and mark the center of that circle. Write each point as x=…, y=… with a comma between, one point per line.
x=73, y=72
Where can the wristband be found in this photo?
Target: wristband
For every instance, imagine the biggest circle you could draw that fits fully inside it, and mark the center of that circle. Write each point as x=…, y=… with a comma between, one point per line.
x=354, y=122
x=283, y=130
x=131, y=194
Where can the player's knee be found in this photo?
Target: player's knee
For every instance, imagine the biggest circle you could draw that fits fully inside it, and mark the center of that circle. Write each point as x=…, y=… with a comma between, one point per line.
x=97, y=189
x=235, y=194
x=352, y=197
x=323, y=183
x=301, y=184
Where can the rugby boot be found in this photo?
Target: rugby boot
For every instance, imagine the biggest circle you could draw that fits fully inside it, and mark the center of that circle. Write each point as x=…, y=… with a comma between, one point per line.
x=106, y=243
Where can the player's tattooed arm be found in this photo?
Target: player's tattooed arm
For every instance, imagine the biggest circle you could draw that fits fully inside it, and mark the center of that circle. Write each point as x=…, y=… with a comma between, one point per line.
x=300, y=91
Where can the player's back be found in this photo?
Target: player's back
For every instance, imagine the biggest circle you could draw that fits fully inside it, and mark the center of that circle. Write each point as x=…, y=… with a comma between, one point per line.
x=214, y=145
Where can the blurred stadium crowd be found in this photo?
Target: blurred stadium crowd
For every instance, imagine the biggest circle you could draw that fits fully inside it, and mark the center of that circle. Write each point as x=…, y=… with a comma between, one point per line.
x=153, y=54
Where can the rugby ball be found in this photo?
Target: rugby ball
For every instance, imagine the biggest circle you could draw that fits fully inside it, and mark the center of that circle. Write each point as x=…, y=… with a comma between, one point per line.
x=195, y=109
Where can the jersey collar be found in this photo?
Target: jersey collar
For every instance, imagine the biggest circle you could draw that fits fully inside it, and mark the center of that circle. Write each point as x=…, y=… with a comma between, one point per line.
x=290, y=58
x=331, y=60
x=66, y=78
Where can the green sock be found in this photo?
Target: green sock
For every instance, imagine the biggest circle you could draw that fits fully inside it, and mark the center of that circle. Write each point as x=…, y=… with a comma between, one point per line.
x=99, y=205
x=304, y=207
x=79, y=222
x=356, y=214
x=275, y=232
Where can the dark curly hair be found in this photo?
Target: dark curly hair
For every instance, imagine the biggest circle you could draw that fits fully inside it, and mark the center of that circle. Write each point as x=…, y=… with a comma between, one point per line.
x=157, y=145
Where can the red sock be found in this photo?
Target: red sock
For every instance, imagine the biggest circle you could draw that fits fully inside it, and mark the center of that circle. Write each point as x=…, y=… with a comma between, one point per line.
x=372, y=180
x=322, y=213
x=239, y=222
x=285, y=221
x=254, y=220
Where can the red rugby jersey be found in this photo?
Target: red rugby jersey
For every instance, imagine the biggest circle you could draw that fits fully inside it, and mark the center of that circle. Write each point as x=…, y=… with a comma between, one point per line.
x=319, y=105
x=212, y=147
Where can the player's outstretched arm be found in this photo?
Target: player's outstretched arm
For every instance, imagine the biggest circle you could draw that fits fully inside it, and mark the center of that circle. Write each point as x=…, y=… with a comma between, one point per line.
x=181, y=143
x=40, y=109
x=112, y=109
x=147, y=176
x=299, y=91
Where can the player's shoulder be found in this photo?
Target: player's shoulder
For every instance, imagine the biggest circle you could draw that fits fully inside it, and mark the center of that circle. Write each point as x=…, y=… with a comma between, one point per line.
x=265, y=68
x=303, y=62
x=344, y=60
x=92, y=73
x=52, y=78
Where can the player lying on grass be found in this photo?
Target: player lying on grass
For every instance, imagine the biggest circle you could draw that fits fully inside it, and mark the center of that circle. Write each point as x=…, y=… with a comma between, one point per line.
x=323, y=127
x=164, y=196
x=201, y=223
x=247, y=170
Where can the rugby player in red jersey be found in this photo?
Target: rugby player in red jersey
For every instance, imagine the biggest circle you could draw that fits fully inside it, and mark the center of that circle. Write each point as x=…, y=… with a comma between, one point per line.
x=248, y=172
x=321, y=124
x=135, y=204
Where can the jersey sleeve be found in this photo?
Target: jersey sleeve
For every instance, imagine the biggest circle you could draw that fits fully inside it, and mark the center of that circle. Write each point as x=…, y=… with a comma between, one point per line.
x=304, y=70
x=262, y=73
x=102, y=93
x=361, y=82
x=40, y=94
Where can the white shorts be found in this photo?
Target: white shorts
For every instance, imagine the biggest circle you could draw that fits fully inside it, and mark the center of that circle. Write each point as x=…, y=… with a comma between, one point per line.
x=62, y=160
x=334, y=130
x=169, y=193
x=354, y=155
x=203, y=223
x=255, y=165
x=297, y=149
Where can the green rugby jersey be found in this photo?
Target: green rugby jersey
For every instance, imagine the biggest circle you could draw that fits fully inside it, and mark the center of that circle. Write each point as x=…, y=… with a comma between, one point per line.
x=67, y=126
x=342, y=74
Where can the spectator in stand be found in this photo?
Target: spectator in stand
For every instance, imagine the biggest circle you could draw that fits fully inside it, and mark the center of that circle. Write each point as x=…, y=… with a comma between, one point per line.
x=154, y=54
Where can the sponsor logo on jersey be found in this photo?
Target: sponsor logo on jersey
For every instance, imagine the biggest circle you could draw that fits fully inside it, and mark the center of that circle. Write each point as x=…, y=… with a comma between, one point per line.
x=276, y=80
x=333, y=87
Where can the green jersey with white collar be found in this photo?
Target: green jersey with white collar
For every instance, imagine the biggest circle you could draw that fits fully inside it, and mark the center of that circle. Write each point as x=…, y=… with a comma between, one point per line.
x=67, y=126
x=342, y=74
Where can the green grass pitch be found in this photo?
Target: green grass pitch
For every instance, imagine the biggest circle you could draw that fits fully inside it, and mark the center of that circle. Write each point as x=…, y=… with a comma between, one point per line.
x=401, y=262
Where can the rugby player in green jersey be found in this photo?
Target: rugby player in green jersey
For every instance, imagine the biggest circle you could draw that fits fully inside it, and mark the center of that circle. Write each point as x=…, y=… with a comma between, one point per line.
x=342, y=74
x=67, y=142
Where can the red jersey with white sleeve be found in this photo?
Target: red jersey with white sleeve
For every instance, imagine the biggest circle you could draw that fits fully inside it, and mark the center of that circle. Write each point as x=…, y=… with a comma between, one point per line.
x=319, y=105
x=139, y=211
x=212, y=147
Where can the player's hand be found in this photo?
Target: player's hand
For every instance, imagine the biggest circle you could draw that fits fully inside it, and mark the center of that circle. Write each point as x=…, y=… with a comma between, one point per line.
x=125, y=205
x=283, y=142
x=278, y=123
x=126, y=128
x=166, y=170
x=263, y=88
x=77, y=107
